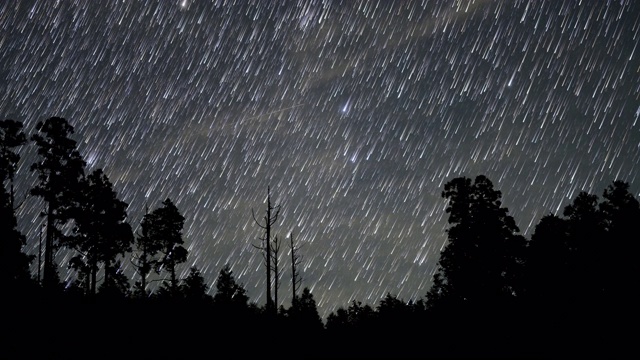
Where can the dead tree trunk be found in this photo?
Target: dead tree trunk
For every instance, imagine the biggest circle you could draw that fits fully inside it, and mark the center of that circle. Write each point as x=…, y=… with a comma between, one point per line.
x=275, y=250
x=269, y=219
x=295, y=277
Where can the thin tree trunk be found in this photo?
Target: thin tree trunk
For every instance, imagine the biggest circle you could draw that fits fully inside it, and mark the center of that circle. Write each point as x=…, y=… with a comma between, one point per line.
x=268, y=249
x=48, y=250
x=174, y=282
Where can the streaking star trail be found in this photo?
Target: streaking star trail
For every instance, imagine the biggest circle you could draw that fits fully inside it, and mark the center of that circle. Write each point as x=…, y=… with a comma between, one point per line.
x=354, y=113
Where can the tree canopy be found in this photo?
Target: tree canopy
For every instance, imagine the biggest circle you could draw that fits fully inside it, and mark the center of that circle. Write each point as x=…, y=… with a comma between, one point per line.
x=483, y=258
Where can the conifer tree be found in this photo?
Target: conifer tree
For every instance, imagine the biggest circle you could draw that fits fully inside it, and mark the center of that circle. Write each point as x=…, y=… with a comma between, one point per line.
x=166, y=232
x=101, y=232
x=304, y=312
x=60, y=170
x=229, y=293
x=193, y=287
x=482, y=262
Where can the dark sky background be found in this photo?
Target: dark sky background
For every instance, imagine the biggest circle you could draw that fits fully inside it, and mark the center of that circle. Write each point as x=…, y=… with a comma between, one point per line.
x=355, y=113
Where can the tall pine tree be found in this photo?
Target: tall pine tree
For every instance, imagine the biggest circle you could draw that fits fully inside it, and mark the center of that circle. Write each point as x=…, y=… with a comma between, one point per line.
x=60, y=170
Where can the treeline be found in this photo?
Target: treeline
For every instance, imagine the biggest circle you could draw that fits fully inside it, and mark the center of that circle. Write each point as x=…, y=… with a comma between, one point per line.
x=569, y=290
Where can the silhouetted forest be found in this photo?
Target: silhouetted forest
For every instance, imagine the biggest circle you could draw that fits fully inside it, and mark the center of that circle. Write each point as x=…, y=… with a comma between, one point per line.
x=569, y=290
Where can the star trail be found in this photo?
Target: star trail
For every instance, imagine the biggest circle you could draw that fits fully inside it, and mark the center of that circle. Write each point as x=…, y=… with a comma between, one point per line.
x=354, y=113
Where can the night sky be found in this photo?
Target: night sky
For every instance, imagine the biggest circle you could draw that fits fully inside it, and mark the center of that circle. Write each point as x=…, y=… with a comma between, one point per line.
x=354, y=113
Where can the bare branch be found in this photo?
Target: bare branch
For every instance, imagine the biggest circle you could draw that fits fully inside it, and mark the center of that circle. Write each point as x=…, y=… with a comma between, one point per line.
x=256, y=220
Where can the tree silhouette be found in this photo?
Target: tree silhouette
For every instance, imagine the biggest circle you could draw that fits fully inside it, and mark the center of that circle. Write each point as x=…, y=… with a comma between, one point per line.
x=579, y=270
x=562, y=251
x=166, y=231
x=621, y=214
x=296, y=279
x=275, y=262
x=356, y=318
x=349, y=330
x=60, y=170
x=577, y=273
x=229, y=294
x=101, y=231
x=11, y=137
x=144, y=260
x=393, y=312
x=14, y=263
x=304, y=313
x=547, y=265
x=586, y=231
x=82, y=282
x=483, y=259
x=116, y=285
x=193, y=287
x=269, y=219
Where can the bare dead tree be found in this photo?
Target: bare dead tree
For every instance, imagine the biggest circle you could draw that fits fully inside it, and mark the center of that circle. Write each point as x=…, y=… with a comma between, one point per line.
x=269, y=219
x=296, y=259
x=277, y=272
